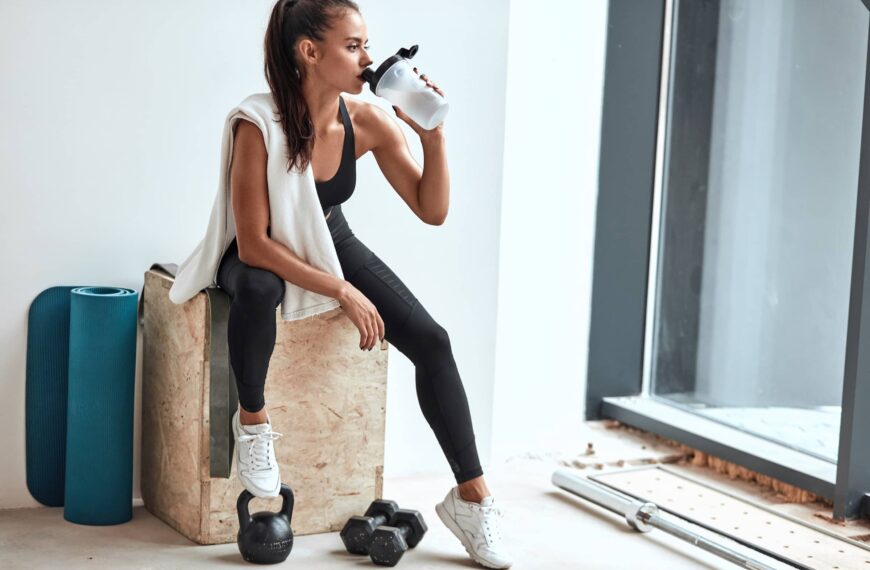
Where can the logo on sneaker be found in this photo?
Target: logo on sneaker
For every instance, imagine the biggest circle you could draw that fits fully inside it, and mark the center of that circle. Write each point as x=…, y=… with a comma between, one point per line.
x=474, y=539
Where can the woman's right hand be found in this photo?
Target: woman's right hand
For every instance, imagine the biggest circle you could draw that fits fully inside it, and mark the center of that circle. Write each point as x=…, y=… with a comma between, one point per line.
x=363, y=314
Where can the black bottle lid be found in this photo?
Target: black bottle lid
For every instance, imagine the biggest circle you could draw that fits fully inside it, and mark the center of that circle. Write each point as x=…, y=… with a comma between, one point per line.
x=373, y=77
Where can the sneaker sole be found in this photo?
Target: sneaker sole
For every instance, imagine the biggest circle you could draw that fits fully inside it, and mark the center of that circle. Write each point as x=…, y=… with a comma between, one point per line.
x=454, y=528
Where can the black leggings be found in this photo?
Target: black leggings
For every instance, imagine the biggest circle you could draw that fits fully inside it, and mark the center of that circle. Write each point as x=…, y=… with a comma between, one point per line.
x=256, y=293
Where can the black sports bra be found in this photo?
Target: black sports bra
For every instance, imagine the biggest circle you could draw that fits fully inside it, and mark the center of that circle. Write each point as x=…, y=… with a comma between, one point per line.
x=339, y=188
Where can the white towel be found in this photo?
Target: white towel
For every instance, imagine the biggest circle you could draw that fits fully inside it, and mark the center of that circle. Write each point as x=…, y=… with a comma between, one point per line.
x=296, y=218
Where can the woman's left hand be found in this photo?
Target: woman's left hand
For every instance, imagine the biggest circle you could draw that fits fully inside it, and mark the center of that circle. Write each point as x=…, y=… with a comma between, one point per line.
x=413, y=124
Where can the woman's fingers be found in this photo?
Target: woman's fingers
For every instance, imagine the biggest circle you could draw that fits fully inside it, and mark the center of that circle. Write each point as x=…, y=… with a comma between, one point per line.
x=374, y=331
x=367, y=338
x=366, y=318
x=365, y=330
x=431, y=84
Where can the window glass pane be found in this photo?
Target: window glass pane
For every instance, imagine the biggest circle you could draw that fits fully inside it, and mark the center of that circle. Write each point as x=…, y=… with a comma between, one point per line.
x=758, y=213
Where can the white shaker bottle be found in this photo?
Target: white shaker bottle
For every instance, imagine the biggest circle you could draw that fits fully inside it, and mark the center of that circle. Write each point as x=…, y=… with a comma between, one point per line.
x=395, y=81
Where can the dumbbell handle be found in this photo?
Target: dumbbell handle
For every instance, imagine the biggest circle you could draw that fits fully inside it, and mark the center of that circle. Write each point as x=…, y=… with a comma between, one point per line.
x=403, y=527
x=379, y=519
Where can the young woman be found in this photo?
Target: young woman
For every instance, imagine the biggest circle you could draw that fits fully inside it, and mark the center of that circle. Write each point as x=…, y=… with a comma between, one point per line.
x=314, y=51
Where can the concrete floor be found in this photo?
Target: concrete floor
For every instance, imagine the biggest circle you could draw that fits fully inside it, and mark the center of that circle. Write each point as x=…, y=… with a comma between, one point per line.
x=546, y=527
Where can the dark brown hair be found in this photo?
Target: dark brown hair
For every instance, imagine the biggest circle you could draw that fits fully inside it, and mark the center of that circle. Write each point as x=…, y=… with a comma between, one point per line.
x=291, y=20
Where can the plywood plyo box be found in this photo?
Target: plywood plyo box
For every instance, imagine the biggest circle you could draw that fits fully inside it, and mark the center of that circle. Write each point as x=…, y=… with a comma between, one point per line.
x=325, y=395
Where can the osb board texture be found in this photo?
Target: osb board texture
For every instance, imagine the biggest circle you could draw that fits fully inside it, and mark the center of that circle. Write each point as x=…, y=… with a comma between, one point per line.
x=173, y=360
x=326, y=397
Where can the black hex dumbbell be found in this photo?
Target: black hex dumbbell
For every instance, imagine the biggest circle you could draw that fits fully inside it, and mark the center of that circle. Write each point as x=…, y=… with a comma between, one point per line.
x=358, y=530
x=390, y=541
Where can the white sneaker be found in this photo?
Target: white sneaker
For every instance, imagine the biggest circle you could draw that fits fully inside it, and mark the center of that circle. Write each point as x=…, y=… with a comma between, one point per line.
x=477, y=527
x=255, y=457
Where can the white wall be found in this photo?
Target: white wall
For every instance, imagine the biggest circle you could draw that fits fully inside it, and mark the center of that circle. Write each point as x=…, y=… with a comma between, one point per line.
x=114, y=112
x=111, y=146
x=552, y=128
x=452, y=268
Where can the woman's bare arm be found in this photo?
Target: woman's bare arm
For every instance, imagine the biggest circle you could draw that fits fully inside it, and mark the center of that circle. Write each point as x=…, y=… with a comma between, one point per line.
x=250, y=202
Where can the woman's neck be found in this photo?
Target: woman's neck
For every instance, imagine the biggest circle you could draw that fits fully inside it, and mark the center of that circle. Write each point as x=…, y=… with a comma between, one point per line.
x=322, y=105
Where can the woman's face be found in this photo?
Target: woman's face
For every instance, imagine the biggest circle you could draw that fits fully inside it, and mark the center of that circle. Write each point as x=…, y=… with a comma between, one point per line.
x=343, y=55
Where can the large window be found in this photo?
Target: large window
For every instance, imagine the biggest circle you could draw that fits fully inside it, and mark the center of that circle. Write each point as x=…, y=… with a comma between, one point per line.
x=731, y=282
x=757, y=207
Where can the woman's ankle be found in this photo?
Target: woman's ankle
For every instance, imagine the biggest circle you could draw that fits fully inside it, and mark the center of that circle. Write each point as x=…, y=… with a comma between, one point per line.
x=247, y=418
x=474, y=490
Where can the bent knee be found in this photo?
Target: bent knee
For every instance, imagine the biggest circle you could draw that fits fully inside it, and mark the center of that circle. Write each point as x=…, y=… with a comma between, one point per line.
x=438, y=338
x=260, y=287
x=430, y=340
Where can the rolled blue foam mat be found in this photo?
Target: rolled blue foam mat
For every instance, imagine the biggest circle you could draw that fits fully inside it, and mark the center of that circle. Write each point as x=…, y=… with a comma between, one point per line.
x=98, y=483
x=45, y=394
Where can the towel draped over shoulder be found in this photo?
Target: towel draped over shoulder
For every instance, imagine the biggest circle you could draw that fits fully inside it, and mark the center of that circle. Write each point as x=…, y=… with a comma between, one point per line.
x=296, y=218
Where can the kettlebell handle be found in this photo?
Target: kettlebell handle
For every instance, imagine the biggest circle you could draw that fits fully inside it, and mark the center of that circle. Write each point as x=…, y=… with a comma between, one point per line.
x=242, y=509
x=246, y=496
x=287, y=503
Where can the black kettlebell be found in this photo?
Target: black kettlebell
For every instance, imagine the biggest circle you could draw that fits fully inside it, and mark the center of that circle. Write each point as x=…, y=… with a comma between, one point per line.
x=265, y=538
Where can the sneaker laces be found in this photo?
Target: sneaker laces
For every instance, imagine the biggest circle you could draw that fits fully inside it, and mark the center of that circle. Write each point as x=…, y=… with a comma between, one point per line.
x=491, y=529
x=258, y=452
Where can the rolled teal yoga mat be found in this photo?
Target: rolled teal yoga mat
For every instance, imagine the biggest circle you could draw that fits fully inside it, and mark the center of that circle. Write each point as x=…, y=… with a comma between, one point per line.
x=45, y=394
x=98, y=484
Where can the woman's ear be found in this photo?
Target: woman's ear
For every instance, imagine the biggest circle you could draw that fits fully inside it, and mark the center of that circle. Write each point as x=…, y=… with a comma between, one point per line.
x=307, y=52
